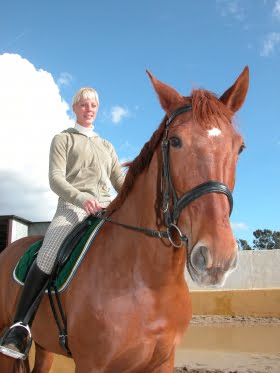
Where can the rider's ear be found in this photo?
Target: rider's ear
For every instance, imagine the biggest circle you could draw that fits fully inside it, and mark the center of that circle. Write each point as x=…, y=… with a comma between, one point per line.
x=234, y=97
x=169, y=98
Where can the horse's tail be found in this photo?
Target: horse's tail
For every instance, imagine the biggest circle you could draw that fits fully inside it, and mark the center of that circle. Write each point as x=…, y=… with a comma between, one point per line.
x=22, y=366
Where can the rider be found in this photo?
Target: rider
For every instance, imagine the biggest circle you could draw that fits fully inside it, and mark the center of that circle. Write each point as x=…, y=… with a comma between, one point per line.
x=82, y=166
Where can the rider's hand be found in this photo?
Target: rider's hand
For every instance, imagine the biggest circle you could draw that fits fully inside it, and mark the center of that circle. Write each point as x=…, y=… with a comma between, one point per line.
x=91, y=206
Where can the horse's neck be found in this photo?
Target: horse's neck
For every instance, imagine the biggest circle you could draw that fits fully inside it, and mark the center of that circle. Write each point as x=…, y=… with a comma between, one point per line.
x=141, y=205
x=141, y=209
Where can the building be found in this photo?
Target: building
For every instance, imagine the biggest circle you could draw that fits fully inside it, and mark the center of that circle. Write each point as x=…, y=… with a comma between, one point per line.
x=13, y=227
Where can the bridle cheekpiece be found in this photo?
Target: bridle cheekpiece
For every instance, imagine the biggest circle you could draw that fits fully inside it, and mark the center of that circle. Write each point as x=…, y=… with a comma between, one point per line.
x=168, y=191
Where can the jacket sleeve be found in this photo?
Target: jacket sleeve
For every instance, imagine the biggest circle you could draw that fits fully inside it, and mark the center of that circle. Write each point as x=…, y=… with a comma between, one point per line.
x=57, y=173
x=117, y=175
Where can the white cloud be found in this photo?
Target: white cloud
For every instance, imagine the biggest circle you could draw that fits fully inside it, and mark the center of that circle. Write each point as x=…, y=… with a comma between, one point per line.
x=64, y=79
x=270, y=43
x=32, y=112
x=240, y=226
x=276, y=9
x=118, y=113
x=232, y=8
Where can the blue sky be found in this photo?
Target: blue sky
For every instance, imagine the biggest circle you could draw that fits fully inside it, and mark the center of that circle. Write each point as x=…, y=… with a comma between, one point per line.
x=108, y=44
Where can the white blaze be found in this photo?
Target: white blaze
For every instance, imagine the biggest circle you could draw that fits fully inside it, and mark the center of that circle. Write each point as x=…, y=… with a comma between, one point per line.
x=214, y=132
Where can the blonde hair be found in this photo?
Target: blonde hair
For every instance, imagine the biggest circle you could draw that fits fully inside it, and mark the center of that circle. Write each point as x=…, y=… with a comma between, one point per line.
x=85, y=93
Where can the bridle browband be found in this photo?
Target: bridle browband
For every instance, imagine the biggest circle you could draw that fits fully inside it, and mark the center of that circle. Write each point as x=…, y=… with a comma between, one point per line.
x=171, y=216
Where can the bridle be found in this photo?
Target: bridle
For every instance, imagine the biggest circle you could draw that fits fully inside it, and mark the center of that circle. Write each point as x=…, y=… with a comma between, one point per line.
x=178, y=204
x=169, y=194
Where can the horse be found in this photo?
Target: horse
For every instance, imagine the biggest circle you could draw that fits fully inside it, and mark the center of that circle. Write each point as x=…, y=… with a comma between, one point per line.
x=129, y=305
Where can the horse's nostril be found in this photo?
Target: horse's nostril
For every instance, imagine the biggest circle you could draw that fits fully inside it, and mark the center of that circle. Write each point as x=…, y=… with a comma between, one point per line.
x=199, y=258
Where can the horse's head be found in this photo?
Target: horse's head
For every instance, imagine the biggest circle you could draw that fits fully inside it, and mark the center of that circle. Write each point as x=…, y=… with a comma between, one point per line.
x=202, y=151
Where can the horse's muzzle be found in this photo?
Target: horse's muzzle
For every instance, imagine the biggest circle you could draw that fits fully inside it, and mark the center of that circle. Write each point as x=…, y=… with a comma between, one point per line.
x=208, y=271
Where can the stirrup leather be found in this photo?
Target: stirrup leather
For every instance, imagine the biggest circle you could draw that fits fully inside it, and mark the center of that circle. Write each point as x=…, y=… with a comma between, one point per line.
x=15, y=353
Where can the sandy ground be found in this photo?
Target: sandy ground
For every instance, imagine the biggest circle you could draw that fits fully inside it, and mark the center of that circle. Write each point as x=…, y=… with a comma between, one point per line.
x=219, y=360
x=255, y=350
x=245, y=320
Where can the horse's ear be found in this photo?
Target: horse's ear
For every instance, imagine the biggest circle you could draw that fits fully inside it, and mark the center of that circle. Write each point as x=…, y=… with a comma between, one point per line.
x=234, y=97
x=169, y=98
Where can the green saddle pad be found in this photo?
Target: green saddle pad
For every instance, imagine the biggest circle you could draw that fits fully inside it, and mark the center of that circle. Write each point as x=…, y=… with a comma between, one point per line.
x=67, y=272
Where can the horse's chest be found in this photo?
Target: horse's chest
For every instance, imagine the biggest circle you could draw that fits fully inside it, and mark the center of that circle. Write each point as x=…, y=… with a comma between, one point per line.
x=166, y=319
x=157, y=326
x=165, y=332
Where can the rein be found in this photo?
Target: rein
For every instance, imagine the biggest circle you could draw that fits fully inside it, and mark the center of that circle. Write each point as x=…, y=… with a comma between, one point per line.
x=148, y=231
x=171, y=216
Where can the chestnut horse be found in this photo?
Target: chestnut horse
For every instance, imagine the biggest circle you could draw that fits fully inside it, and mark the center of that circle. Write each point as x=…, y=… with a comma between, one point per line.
x=128, y=305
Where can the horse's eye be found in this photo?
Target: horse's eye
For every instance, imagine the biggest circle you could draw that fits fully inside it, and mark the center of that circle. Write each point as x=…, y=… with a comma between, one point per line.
x=175, y=142
x=242, y=147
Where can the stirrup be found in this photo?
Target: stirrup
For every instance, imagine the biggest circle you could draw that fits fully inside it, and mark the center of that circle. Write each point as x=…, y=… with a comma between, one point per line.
x=15, y=353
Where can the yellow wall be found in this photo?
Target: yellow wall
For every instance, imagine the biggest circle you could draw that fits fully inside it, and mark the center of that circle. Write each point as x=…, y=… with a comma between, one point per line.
x=255, y=302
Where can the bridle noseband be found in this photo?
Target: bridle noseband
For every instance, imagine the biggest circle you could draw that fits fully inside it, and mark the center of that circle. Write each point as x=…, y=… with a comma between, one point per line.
x=171, y=216
x=168, y=190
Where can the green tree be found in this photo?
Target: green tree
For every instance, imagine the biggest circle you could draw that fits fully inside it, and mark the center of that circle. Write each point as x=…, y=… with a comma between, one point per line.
x=276, y=237
x=243, y=244
x=266, y=239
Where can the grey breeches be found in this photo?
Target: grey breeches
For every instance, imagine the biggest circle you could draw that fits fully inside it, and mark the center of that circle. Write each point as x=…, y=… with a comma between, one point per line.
x=67, y=217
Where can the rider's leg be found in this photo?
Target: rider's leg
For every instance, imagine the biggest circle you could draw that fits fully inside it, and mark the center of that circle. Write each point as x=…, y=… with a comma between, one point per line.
x=17, y=340
x=67, y=217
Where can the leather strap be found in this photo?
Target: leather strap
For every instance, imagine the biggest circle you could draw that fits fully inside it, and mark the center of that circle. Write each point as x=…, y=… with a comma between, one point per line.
x=200, y=190
x=179, y=111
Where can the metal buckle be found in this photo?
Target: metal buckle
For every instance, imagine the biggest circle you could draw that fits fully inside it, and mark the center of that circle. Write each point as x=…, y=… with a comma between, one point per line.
x=178, y=231
x=165, y=209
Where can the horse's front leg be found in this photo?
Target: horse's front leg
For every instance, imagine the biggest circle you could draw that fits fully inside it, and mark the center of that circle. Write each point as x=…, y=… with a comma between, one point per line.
x=167, y=366
x=86, y=366
x=7, y=364
x=43, y=360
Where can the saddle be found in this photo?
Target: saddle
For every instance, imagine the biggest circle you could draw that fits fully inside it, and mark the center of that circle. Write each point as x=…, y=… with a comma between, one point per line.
x=71, y=241
x=70, y=254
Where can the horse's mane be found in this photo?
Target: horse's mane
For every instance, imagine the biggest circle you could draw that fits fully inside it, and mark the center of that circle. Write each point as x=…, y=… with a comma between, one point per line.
x=207, y=109
x=136, y=166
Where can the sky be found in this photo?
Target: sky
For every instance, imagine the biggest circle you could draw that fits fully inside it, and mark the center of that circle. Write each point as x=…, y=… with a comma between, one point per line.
x=49, y=49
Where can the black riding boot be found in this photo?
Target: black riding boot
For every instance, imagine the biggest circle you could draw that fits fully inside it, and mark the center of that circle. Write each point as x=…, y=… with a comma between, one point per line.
x=17, y=340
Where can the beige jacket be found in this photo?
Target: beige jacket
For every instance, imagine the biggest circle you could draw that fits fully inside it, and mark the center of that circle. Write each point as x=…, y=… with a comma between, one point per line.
x=82, y=168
